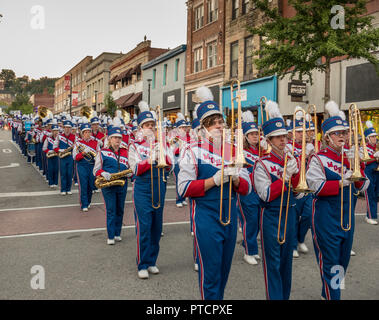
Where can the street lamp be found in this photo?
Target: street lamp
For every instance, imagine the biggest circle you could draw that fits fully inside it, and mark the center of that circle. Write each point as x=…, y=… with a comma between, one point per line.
x=95, y=100
x=148, y=96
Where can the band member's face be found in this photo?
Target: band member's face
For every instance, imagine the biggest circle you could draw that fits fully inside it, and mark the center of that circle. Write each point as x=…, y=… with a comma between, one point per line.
x=49, y=127
x=252, y=138
x=148, y=128
x=337, y=139
x=278, y=142
x=55, y=133
x=67, y=130
x=216, y=127
x=372, y=139
x=290, y=135
x=95, y=127
x=115, y=142
x=311, y=134
x=86, y=134
x=299, y=136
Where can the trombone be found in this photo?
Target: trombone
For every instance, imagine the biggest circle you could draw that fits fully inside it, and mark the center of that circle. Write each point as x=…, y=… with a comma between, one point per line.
x=302, y=186
x=161, y=159
x=312, y=107
x=239, y=158
x=262, y=101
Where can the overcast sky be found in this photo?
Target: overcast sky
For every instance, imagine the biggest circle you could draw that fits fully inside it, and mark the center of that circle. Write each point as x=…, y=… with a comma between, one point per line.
x=48, y=37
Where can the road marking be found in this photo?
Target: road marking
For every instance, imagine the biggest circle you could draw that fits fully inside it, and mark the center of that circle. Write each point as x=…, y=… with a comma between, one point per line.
x=7, y=150
x=12, y=165
x=65, y=206
x=45, y=193
x=80, y=230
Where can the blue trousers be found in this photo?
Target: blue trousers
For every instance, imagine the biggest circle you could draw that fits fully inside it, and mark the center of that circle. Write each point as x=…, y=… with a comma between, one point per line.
x=371, y=194
x=86, y=182
x=66, y=169
x=277, y=258
x=179, y=199
x=332, y=244
x=303, y=219
x=75, y=173
x=249, y=212
x=53, y=171
x=215, y=246
x=44, y=164
x=148, y=220
x=114, y=198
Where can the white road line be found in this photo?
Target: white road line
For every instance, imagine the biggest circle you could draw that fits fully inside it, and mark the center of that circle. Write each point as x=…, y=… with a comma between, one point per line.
x=79, y=230
x=45, y=193
x=12, y=165
x=64, y=206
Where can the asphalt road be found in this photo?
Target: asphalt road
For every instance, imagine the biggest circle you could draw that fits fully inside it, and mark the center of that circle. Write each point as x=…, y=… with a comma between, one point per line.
x=39, y=227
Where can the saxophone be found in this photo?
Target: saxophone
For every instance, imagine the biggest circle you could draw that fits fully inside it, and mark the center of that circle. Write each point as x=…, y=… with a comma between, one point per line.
x=51, y=154
x=89, y=156
x=66, y=152
x=117, y=179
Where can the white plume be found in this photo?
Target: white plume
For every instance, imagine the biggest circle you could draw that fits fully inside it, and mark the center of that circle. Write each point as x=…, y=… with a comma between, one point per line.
x=118, y=114
x=109, y=121
x=332, y=108
x=179, y=117
x=68, y=117
x=272, y=109
x=154, y=114
x=50, y=116
x=54, y=121
x=204, y=94
x=248, y=116
x=94, y=114
x=308, y=117
x=84, y=120
x=194, y=113
x=299, y=115
x=342, y=115
x=288, y=122
x=369, y=124
x=116, y=122
x=143, y=106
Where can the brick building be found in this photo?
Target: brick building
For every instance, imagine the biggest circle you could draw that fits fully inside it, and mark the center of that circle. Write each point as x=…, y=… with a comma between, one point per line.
x=42, y=99
x=205, y=64
x=78, y=87
x=126, y=82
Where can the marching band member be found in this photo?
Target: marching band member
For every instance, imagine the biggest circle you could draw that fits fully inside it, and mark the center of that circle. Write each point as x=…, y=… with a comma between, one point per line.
x=84, y=154
x=272, y=185
x=110, y=160
x=200, y=178
x=149, y=191
x=332, y=238
x=96, y=133
x=52, y=160
x=75, y=132
x=371, y=173
x=250, y=204
x=64, y=141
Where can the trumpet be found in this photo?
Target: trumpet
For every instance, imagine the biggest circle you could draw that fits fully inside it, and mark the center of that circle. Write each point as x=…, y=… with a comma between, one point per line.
x=117, y=179
x=239, y=159
x=65, y=153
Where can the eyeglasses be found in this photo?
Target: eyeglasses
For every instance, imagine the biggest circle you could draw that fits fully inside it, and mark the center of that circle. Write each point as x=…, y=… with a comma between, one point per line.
x=339, y=133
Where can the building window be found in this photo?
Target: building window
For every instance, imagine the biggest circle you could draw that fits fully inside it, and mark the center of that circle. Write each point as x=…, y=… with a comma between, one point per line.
x=248, y=67
x=165, y=74
x=235, y=7
x=176, y=76
x=199, y=17
x=154, y=78
x=212, y=54
x=245, y=6
x=198, y=59
x=234, y=59
x=212, y=10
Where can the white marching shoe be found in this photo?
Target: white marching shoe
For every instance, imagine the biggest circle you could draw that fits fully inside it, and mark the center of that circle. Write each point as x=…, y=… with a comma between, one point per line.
x=302, y=248
x=196, y=267
x=185, y=203
x=250, y=259
x=179, y=205
x=295, y=254
x=118, y=238
x=371, y=221
x=85, y=209
x=239, y=229
x=143, y=274
x=153, y=269
x=63, y=193
x=110, y=241
x=352, y=253
x=257, y=257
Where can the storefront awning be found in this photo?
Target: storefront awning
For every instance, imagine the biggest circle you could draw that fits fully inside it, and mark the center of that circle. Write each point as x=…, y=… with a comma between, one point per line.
x=121, y=101
x=124, y=74
x=133, y=100
x=113, y=80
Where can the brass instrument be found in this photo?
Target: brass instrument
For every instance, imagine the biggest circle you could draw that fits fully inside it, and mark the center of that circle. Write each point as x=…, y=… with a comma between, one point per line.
x=86, y=112
x=262, y=101
x=66, y=152
x=51, y=154
x=377, y=149
x=43, y=112
x=117, y=179
x=312, y=107
x=302, y=186
x=89, y=156
x=239, y=158
x=341, y=187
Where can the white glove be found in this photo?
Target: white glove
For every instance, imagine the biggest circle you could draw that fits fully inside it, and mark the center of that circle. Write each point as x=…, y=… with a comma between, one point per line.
x=291, y=168
x=309, y=148
x=217, y=178
x=106, y=175
x=264, y=144
x=346, y=176
x=300, y=195
x=233, y=172
x=129, y=175
x=376, y=154
x=350, y=153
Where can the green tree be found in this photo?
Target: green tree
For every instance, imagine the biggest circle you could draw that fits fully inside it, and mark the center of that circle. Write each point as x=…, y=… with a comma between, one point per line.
x=21, y=103
x=8, y=76
x=309, y=40
x=110, y=104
